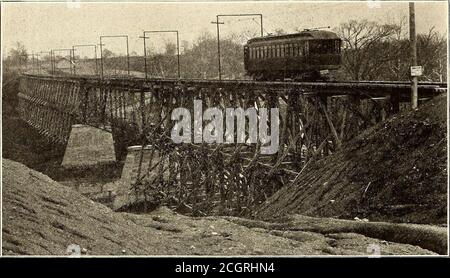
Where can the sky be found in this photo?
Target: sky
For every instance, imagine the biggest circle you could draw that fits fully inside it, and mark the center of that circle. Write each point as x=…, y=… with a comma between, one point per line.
x=52, y=25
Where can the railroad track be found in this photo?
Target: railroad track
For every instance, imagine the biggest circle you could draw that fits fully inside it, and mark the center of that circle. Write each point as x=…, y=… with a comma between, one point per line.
x=335, y=84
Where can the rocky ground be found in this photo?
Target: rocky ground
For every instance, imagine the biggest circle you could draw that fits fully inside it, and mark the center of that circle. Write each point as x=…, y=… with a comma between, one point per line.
x=41, y=216
x=395, y=171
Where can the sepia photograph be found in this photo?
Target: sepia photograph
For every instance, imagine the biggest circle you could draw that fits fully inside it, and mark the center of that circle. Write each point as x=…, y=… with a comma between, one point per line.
x=224, y=129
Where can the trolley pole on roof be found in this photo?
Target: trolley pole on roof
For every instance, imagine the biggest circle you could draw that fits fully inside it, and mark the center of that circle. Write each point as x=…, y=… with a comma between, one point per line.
x=217, y=22
x=413, y=42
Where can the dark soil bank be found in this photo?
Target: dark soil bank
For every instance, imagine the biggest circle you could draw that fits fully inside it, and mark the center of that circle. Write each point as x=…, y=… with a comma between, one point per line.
x=41, y=216
x=396, y=171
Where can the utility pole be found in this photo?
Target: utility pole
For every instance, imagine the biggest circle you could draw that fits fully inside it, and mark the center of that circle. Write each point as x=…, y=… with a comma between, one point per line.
x=145, y=55
x=73, y=60
x=33, y=63
x=218, y=45
x=127, y=49
x=145, y=49
x=101, y=58
x=95, y=55
x=413, y=48
x=38, y=65
x=217, y=22
x=51, y=62
x=60, y=50
x=49, y=55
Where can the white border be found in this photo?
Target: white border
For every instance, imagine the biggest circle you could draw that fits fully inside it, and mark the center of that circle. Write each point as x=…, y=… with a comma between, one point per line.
x=220, y=256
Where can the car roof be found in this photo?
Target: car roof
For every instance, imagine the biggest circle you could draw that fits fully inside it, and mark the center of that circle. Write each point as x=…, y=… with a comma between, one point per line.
x=306, y=34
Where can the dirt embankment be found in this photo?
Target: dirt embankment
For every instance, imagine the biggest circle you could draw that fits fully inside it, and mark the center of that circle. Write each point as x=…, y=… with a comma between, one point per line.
x=395, y=171
x=40, y=216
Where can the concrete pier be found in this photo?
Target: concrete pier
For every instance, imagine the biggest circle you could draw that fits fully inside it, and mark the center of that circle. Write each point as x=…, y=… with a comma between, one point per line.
x=124, y=193
x=88, y=146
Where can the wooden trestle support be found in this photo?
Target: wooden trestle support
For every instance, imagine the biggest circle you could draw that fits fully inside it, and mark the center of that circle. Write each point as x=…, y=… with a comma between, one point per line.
x=206, y=178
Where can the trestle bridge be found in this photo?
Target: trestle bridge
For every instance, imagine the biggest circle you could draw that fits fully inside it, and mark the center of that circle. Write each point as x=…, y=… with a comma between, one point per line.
x=316, y=118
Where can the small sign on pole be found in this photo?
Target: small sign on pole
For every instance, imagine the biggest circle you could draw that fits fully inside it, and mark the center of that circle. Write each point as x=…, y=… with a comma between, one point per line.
x=416, y=70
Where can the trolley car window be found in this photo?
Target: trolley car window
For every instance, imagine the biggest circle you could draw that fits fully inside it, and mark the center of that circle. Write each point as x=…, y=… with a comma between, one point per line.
x=302, y=49
x=296, y=50
x=324, y=47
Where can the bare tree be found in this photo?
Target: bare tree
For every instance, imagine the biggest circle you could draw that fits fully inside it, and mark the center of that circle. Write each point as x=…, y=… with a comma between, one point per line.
x=18, y=56
x=432, y=55
x=363, y=42
x=170, y=48
x=108, y=53
x=397, y=67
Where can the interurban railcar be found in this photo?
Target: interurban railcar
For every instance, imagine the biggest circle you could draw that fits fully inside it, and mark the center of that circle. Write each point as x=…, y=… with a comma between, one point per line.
x=307, y=55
